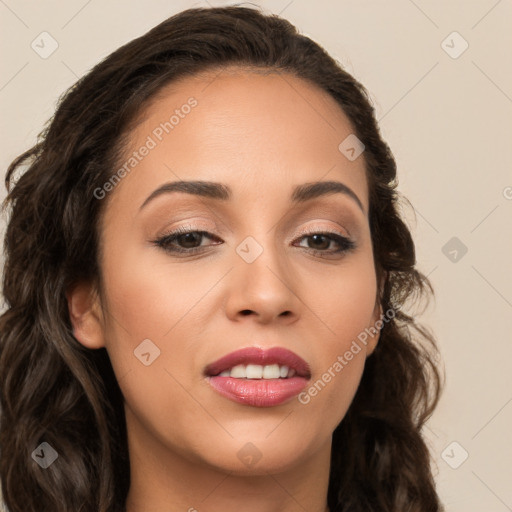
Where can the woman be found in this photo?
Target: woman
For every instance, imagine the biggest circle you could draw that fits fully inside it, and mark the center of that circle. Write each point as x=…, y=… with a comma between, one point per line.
x=204, y=278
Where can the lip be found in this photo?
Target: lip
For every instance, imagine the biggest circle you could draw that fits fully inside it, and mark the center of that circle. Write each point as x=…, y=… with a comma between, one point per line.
x=255, y=355
x=259, y=392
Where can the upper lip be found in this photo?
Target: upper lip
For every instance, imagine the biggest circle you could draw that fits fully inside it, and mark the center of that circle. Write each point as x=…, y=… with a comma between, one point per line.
x=256, y=355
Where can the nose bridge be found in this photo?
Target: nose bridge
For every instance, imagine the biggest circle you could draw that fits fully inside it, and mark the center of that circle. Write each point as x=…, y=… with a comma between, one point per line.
x=262, y=277
x=261, y=259
x=257, y=227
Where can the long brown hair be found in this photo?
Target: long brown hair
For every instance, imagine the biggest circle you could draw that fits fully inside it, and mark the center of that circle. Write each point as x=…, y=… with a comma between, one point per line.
x=55, y=390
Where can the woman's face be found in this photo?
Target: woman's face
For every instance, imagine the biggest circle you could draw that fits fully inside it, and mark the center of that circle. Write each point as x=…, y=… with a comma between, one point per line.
x=258, y=280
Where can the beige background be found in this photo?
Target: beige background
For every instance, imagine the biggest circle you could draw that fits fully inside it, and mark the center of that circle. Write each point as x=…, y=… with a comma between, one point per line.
x=449, y=123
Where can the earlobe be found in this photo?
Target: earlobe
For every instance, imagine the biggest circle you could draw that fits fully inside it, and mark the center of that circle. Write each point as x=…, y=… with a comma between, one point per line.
x=86, y=315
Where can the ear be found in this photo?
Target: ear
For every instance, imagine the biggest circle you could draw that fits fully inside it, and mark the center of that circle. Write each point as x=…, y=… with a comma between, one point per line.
x=86, y=315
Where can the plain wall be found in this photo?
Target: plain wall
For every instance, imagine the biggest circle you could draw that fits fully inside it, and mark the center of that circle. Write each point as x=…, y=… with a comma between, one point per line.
x=448, y=120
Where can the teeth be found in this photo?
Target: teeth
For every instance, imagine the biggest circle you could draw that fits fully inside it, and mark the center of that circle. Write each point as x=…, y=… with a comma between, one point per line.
x=254, y=371
x=257, y=371
x=238, y=372
x=271, y=371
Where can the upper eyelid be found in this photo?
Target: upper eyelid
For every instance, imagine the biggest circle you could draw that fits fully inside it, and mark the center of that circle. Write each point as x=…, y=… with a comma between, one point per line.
x=317, y=228
x=320, y=206
x=205, y=231
x=212, y=237
x=211, y=230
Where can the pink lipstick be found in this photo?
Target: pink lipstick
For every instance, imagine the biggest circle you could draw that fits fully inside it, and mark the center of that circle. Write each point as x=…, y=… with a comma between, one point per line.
x=258, y=377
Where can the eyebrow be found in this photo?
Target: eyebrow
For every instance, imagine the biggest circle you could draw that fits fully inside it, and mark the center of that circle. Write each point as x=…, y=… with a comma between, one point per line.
x=221, y=192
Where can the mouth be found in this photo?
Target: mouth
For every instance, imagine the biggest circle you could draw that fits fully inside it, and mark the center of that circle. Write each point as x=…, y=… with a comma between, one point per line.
x=257, y=377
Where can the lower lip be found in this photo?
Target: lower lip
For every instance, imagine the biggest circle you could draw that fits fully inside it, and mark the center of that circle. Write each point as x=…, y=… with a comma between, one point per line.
x=258, y=392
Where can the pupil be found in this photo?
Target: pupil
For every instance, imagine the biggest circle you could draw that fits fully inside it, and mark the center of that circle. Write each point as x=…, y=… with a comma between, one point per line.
x=189, y=237
x=317, y=237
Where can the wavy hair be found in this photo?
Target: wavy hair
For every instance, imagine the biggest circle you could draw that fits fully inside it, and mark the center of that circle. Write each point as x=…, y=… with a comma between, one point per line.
x=53, y=389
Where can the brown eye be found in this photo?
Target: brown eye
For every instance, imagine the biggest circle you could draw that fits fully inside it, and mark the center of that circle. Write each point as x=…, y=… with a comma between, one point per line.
x=320, y=242
x=189, y=240
x=184, y=240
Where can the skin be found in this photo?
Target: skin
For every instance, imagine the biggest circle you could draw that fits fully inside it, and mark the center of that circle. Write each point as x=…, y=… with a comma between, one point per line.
x=260, y=134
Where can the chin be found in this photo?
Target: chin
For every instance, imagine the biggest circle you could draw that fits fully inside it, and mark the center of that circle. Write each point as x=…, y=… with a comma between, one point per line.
x=258, y=457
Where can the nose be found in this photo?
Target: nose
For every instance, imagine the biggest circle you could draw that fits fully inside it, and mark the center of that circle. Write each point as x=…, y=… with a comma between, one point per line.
x=264, y=289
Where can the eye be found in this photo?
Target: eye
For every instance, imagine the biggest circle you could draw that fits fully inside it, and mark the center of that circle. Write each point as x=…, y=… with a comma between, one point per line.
x=187, y=241
x=320, y=242
x=184, y=240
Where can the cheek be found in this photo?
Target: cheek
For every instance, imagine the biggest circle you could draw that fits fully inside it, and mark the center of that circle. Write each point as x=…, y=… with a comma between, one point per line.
x=146, y=302
x=156, y=304
x=344, y=301
x=149, y=297
x=344, y=305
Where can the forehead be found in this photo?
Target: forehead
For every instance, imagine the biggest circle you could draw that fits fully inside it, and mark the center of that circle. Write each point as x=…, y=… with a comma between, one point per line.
x=259, y=132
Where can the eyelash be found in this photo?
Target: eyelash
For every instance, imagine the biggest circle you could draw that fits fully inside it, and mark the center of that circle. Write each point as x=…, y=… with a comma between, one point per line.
x=346, y=245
